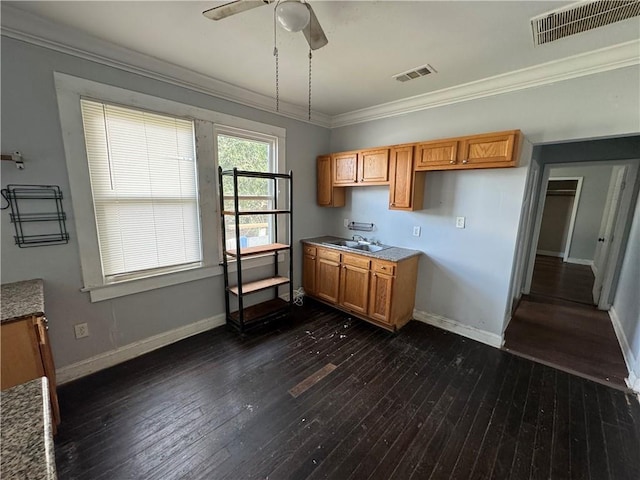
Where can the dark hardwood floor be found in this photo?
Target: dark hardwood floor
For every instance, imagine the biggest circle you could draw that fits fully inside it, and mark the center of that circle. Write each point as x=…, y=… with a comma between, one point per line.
x=559, y=325
x=423, y=403
x=554, y=278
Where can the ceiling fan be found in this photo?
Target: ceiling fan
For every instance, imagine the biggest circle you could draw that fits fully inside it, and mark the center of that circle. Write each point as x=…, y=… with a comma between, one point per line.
x=293, y=15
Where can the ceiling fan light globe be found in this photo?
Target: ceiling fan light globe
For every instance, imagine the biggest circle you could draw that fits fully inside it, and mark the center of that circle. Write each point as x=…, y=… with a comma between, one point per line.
x=293, y=16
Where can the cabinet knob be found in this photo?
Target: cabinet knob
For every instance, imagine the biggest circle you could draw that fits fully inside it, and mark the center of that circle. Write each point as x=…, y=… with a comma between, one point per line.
x=383, y=268
x=375, y=274
x=465, y=161
x=313, y=258
x=452, y=161
x=393, y=204
x=344, y=266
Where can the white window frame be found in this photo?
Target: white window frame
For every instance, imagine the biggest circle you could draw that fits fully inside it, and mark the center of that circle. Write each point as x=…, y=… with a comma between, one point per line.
x=276, y=161
x=69, y=90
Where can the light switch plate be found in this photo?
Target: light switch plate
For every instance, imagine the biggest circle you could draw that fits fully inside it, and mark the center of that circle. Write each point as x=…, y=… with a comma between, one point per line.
x=345, y=222
x=416, y=231
x=459, y=222
x=81, y=330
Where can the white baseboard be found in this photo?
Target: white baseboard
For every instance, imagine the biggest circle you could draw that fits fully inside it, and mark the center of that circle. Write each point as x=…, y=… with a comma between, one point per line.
x=579, y=261
x=473, y=333
x=549, y=253
x=135, y=349
x=633, y=382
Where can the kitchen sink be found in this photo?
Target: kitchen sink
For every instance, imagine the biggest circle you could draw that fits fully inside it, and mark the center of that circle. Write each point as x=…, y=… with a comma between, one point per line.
x=371, y=248
x=365, y=247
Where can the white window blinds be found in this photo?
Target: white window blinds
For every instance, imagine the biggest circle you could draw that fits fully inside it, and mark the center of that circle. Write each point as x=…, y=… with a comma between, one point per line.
x=145, y=193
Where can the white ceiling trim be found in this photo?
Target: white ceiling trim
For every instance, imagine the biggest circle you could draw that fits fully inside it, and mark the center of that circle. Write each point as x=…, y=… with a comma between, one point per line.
x=597, y=61
x=36, y=30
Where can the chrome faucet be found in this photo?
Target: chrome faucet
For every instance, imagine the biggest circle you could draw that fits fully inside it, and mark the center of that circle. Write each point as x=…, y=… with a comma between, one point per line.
x=359, y=239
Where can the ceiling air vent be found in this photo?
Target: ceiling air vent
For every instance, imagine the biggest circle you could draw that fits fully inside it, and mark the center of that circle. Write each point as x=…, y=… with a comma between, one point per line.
x=414, y=73
x=581, y=17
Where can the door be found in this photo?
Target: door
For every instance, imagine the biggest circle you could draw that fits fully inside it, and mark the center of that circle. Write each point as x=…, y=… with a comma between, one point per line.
x=345, y=168
x=488, y=150
x=380, y=298
x=433, y=155
x=309, y=273
x=323, y=170
x=401, y=175
x=354, y=288
x=607, y=225
x=328, y=280
x=373, y=166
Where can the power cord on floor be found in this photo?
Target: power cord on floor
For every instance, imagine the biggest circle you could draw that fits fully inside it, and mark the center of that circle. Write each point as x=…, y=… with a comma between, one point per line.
x=298, y=296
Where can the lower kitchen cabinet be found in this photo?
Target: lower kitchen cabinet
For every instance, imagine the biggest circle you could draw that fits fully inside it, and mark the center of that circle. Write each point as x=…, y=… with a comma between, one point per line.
x=327, y=279
x=26, y=355
x=378, y=291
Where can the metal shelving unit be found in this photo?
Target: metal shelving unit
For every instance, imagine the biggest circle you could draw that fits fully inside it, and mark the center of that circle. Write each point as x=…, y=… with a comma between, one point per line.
x=246, y=318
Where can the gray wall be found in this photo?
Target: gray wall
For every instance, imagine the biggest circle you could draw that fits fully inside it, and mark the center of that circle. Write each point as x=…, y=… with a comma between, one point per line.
x=554, y=229
x=595, y=185
x=626, y=303
x=31, y=125
x=464, y=274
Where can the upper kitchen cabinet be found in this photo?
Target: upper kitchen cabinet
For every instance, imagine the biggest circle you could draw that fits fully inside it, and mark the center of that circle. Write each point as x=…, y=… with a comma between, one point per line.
x=373, y=167
x=491, y=150
x=345, y=168
x=366, y=167
x=327, y=195
x=437, y=155
x=406, y=186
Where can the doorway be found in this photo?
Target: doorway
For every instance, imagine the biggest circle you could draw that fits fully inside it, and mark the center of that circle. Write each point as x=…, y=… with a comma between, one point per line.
x=562, y=319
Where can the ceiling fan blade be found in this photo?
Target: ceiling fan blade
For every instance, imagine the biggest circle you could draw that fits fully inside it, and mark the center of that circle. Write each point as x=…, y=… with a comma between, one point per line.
x=313, y=32
x=228, y=9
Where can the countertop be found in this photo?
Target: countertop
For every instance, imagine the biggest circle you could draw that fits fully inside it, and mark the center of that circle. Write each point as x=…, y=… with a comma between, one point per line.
x=26, y=436
x=391, y=254
x=21, y=299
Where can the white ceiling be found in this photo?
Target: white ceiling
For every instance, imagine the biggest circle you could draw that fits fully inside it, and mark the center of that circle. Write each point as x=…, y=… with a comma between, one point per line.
x=368, y=43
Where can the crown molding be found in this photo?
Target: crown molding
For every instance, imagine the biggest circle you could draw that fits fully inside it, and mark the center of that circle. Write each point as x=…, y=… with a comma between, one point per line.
x=27, y=27
x=597, y=61
x=36, y=30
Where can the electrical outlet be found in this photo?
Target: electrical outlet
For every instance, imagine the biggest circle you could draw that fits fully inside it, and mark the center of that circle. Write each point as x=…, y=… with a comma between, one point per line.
x=416, y=231
x=345, y=222
x=81, y=330
x=459, y=222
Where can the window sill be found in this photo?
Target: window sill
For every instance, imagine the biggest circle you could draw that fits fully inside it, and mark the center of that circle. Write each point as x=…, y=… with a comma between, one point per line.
x=100, y=293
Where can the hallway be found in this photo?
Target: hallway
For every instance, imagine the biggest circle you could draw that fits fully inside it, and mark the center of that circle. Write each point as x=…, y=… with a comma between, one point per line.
x=559, y=326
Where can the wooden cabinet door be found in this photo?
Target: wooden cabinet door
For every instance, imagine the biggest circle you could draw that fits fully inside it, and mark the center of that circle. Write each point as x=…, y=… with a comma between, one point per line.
x=435, y=155
x=21, y=360
x=354, y=288
x=327, y=195
x=373, y=166
x=42, y=328
x=490, y=150
x=327, y=280
x=380, y=297
x=309, y=274
x=323, y=172
x=401, y=175
x=345, y=168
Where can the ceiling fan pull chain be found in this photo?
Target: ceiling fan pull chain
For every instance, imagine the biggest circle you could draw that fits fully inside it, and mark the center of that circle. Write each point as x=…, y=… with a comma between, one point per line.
x=310, y=56
x=275, y=54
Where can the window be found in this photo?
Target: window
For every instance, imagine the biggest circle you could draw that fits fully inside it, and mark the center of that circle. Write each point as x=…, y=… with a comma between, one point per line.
x=254, y=152
x=142, y=167
x=144, y=187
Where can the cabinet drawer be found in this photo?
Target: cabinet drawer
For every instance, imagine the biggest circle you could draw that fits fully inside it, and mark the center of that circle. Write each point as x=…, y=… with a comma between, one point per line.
x=309, y=250
x=328, y=254
x=356, y=261
x=383, y=267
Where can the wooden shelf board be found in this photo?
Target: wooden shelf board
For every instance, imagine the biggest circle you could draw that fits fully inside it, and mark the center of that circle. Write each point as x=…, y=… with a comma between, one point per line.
x=261, y=311
x=258, y=285
x=259, y=250
x=254, y=212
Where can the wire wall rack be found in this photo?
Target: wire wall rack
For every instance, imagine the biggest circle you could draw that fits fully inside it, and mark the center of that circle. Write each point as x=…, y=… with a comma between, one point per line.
x=37, y=215
x=363, y=227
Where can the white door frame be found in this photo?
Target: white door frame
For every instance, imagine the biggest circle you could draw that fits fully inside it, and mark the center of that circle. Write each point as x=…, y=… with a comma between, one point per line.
x=620, y=232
